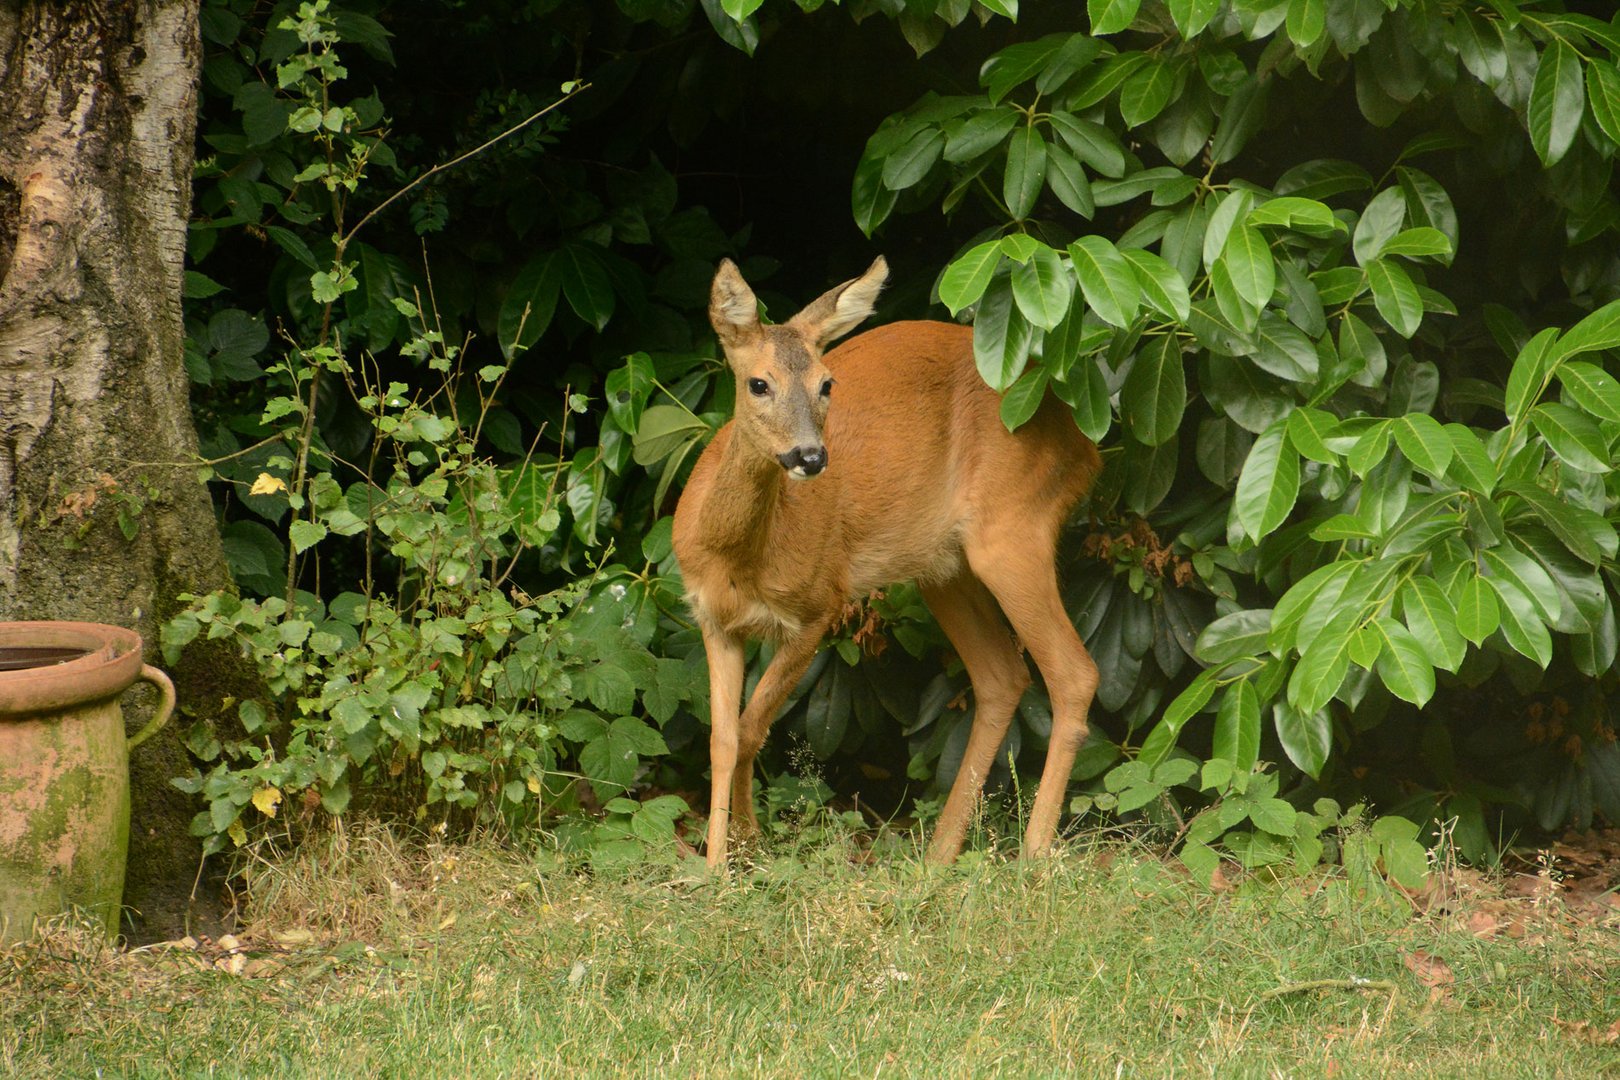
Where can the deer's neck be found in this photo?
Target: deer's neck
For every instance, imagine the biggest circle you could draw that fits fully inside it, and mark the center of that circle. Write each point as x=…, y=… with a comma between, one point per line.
x=745, y=509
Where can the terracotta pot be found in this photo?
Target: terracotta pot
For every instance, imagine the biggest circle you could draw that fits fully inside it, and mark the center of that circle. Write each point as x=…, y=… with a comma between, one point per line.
x=64, y=768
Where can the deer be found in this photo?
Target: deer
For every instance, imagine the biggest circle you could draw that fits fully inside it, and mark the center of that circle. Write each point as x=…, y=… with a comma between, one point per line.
x=842, y=472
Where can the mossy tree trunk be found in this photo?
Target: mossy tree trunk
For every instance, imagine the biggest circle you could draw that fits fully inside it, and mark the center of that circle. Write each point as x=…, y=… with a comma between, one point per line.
x=102, y=515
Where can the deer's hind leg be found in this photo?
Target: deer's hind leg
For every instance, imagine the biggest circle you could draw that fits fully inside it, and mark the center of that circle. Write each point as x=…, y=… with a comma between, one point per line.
x=968, y=614
x=1017, y=565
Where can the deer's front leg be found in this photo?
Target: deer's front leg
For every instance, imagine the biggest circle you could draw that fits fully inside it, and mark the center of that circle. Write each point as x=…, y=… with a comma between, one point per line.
x=726, y=661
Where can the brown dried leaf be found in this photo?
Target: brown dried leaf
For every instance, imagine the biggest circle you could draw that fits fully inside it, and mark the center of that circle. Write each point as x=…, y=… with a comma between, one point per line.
x=1430, y=970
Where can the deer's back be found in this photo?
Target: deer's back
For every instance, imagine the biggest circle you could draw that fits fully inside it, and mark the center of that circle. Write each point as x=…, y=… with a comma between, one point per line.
x=916, y=442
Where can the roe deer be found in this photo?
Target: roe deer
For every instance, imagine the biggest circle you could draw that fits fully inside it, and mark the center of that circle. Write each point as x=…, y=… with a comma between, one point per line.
x=915, y=477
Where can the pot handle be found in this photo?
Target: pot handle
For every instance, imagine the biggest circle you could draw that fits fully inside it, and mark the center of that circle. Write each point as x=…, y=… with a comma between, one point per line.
x=165, y=705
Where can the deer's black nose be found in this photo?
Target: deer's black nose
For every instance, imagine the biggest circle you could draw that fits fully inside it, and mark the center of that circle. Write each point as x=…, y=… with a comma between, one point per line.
x=809, y=460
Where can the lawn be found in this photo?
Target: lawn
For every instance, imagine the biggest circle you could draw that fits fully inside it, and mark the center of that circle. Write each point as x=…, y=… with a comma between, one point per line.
x=369, y=955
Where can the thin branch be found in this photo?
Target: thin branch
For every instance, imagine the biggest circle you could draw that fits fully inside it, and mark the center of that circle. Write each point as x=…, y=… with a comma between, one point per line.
x=380, y=207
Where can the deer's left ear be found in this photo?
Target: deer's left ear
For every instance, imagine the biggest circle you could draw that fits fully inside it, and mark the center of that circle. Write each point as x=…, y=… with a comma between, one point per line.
x=733, y=308
x=839, y=310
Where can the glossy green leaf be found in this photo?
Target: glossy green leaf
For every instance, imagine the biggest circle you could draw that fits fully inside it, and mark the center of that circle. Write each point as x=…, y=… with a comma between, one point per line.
x=1154, y=396
x=1242, y=633
x=1146, y=92
x=1068, y=181
x=911, y=161
x=1001, y=336
x=1043, y=288
x=1589, y=536
x=1603, y=95
x=1237, y=726
x=1573, y=436
x=1111, y=16
x=1248, y=259
x=1529, y=373
x=1305, y=22
x=1379, y=223
x=1477, y=609
x=1404, y=665
x=1521, y=623
x=1187, y=704
x=1022, y=398
x=1432, y=618
x=1241, y=117
x=1162, y=285
x=1191, y=16
x=1269, y=483
x=1599, y=330
x=1307, y=738
x=1557, y=101
x=1471, y=465
x=1427, y=203
x=1421, y=242
x=1092, y=143
x=1308, y=430
x=1592, y=388
x=1424, y=442
x=1284, y=350
x=1395, y=296
x=1026, y=171
x=967, y=277
x=1106, y=279
x=1507, y=563
x=978, y=133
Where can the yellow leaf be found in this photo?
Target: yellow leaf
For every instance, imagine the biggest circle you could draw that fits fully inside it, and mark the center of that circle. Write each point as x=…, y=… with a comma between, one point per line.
x=267, y=485
x=237, y=834
x=448, y=922
x=534, y=785
x=267, y=799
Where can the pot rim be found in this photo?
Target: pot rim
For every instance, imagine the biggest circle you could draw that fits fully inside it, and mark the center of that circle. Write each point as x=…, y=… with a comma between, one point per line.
x=110, y=664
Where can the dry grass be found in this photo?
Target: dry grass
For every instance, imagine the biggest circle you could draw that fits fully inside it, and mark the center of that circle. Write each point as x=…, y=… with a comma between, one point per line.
x=372, y=955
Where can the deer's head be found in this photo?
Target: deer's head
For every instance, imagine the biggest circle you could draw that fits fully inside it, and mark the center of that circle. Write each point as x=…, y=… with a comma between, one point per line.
x=783, y=388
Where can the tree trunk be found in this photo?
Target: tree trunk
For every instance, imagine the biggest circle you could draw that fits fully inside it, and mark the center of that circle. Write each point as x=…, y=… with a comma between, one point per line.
x=102, y=515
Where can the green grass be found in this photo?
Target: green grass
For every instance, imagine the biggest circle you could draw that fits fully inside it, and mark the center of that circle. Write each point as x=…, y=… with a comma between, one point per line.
x=366, y=956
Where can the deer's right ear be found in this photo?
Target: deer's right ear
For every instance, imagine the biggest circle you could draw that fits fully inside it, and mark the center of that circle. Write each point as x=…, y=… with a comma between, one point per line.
x=733, y=308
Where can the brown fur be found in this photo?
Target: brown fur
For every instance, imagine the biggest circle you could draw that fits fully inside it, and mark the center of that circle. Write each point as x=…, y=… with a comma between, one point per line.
x=923, y=481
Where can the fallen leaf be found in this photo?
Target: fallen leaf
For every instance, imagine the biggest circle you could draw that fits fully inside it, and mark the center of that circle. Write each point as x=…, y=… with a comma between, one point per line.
x=1482, y=924
x=1430, y=970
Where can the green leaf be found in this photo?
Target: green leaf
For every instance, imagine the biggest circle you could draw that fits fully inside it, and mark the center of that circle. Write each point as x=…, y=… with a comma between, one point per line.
x=1477, y=614
x=1421, y=242
x=1248, y=259
x=1068, y=181
x=1146, y=92
x=1043, y=288
x=1403, y=664
x=1509, y=564
x=1521, y=624
x=1242, y=633
x=1284, y=350
x=1424, y=442
x=912, y=159
x=1162, y=285
x=1111, y=16
x=1026, y=171
x=663, y=428
x=1191, y=16
x=585, y=283
x=1472, y=466
x=529, y=304
x=1237, y=726
x=869, y=201
x=1154, y=396
x=1091, y=142
x=1001, y=336
x=1603, y=93
x=967, y=277
x=1573, y=436
x=1592, y=388
x=1589, y=536
x=1395, y=296
x=1378, y=224
x=1306, y=21
x=1107, y=280
x=1292, y=212
x=1557, y=100
x=1599, y=330
x=1019, y=63
x=978, y=133
x=1268, y=484
x=1023, y=397
x=627, y=388
x=1432, y=619
x=1162, y=739
x=1241, y=117
x=1308, y=430
x=1528, y=376
x=305, y=535
x=1307, y=738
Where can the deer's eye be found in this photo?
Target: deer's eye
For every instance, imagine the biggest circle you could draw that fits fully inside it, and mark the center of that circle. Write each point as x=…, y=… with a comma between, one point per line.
x=826, y=387
x=758, y=387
